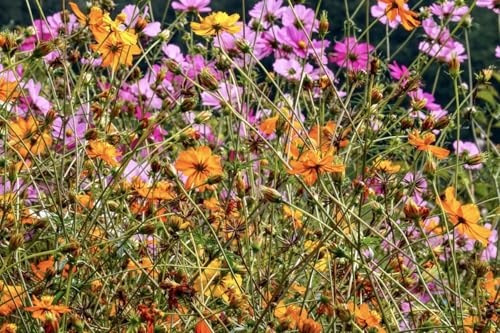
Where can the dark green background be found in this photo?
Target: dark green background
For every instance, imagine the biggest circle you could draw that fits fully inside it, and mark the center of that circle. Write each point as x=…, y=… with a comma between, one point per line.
x=483, y=32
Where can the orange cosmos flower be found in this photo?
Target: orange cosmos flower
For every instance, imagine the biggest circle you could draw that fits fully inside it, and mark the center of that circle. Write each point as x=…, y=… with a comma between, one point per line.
x=323, y=136
x=464, y=217
x=94, y=20
x=8, y=328
x=114, y=51
x=202, y=327
x=365, y=317
x=309, y=326
x=43, y=307
x=198, y=164
x=424, y=144
x=26, y=136
x=10, y=298
x=44, y=269
x=311, y=164
x=8, y=90
x=491, y=285
x=290, y=315
x=397, y=8
x=216, y=23
x=104, y=151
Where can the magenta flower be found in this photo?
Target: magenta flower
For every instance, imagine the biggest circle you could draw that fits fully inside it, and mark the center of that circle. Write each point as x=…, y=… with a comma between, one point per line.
x=298, y=43
x=133, y=13
x=441, y=45
x=490, y=4
x=497, y=51
x=398, y=72
x=424, y=99
x=416, y=185
x=467, y=148
x=303, y=15
x=351, y=54
x=32, y=101
x=292, y=69
x=200, y=6
x=449, y=10
x=267, y=12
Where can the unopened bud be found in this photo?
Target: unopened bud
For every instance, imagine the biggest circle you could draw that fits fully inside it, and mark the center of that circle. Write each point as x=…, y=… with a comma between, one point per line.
x=441, y=123
x=324, y=25
x=428, y=123
x=203, y=117
x=454, y=66
x=188, y=104
x=173, y=66
x=43, y=49
x=243, y=46
x=164, y=34
x=270, y=194
x=474, y=159
x=376, y=95
x=147, y=229
x=407, y=123
x=430, y=167
x=140, y=24
x=208, y=80
x=16, y=241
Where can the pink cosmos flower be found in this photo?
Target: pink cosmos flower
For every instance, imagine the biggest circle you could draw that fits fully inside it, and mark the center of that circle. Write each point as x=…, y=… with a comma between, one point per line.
x=45, y=31
x=292, y=69
x=298, y=42
x=132, y=15
x=226, y=94
x=469, y=149
x=398, y=71
x=200, y=6
x=441, y=45
x=32, y=101
x=173, y=52
x=351, y=54
x=497, y=51
x=302, y=14
x=267, y=12
x=449, y=9
x=427, y=99
x=490, y=4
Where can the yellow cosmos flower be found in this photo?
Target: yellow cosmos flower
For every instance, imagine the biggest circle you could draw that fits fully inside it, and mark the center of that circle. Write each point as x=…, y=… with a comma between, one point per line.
x=216, y=23
x=114, y=51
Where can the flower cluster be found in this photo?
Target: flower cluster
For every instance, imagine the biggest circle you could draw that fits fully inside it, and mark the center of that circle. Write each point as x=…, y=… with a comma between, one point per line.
x=256, y=172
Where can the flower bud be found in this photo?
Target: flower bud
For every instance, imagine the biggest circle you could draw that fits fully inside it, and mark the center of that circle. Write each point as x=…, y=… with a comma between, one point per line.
x=16, y=241
x=474, y=159
x=173, y=66
x=203, y=117
x=147, y=229
x=407, y=123
x=208, y=80
x=428, y=123
x=454, y=66
x=243, y=46
x=164, y=34
x=441, y=123
x=324, y=25
x=140, y=24
x=271, y=195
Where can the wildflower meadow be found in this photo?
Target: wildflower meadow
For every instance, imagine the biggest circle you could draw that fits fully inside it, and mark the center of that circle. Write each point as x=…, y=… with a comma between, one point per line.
x=197, y=170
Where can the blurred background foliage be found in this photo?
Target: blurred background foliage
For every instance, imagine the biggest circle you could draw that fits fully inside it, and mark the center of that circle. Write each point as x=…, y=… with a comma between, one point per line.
x=483, y=32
